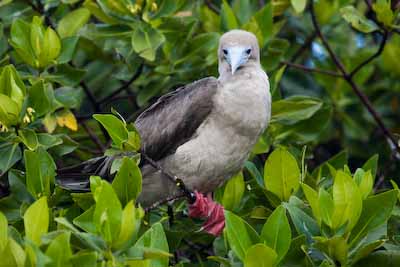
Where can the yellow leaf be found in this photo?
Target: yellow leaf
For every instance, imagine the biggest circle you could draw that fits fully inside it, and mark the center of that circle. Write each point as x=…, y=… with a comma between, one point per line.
x=50, y=123
x=67, y=119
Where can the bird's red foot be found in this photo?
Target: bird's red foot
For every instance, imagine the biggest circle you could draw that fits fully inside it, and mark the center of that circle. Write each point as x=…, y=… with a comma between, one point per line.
x=205, y=207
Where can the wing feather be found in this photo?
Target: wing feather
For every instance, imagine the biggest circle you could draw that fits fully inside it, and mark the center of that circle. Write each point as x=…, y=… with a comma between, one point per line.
x=175, y=117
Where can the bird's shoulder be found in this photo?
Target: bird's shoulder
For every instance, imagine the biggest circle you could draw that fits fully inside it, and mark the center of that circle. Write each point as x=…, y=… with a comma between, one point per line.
x=201, y=90
x=175, y=117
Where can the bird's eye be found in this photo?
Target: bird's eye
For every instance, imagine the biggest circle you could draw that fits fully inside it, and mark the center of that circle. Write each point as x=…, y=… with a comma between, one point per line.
x=248, y=51
x=225, y=51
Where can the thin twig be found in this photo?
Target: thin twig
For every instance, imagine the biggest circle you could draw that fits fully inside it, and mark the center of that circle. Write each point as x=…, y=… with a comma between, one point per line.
x=307, y=69
x=164, y=201
x=303, y=47
x=93, y=136
x=363, y=97
x=375, y=55
x=177, y=181
x=124, y=86
x=212, y=6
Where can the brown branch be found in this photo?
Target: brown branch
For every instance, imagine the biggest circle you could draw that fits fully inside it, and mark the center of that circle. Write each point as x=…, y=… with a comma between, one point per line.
x=93, y=137
x=164, y=201
x=363, y=97
x=375, y=55
x=124, y=86
x=212, y=6
x=303, y=47
x=307, y=69
x=177, y=181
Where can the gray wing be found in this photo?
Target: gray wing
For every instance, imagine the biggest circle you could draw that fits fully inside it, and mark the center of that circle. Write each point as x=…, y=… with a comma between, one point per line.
x=175, y=117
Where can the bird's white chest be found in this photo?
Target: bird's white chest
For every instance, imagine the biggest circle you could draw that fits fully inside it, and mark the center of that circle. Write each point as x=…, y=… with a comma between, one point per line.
x=223, y=142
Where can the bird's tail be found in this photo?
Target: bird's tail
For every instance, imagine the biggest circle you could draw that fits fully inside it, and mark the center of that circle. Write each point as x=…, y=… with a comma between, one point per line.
x=76, y=178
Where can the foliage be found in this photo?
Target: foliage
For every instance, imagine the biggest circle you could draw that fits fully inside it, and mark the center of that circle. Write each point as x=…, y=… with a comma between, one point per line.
x=312, y=193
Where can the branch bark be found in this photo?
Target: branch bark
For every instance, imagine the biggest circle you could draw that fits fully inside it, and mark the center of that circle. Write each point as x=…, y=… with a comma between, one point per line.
x=307, y=69
x=363, y=97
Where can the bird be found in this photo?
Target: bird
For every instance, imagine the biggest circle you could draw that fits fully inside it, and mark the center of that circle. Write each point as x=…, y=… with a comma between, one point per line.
x=203, y=132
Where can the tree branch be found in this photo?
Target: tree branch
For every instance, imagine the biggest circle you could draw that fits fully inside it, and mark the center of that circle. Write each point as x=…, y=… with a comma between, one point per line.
x=124, y=86
x=307, y=69
x=177, y=181
x=375, y=55
x=363, y=97
x=212, y=6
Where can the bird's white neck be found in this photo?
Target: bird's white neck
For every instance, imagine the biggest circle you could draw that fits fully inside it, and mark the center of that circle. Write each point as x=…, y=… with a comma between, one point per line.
x=225, y=73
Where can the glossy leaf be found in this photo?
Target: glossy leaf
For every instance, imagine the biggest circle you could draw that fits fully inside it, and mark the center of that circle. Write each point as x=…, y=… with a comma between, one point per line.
x=115, y=128
x=233, y=192
x=357, y=20
x=36, y=220
x=260, y=255
x=376, y=211
x=281, y=174
x=276, y=233
x=127, y=183
x=240, y=235
x=70, y=24
x=347, y=201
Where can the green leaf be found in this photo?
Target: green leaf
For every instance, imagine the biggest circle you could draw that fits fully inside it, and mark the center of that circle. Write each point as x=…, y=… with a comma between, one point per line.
x=299, y=5
x=384, y=12
x=84, y=258
x=387, y=258
x=59, y=251
x=240, y=235
x=364, y=251
x=127, y=183
x=131, y=220
x=326, y=207
x=9, y=111
x=36, y=220
x=281, y=174
x=40, y=172
x=20, y=40
x=68, y=47
x=12, y=86
x=364, y=181
x=85, y=220
x=11, y=154
x=29, y=138
x=41, y=98
x=154, y=238
x=228, y=19
x=294, y=109
x=357, y=20
x=313, y=200
x=13, y=254
x=336, y=248
x=260, y=255
x=303, y=223
x=69, y=97
x=70, y=24
x=114, y=126
x=347, y=201
x=51, y=47
x=276, y=233
x=233, y=192
x=371, y=165
x=66, y=75
x=3, y=231
x=146, y=40
x=376, y=211
x=108, y=212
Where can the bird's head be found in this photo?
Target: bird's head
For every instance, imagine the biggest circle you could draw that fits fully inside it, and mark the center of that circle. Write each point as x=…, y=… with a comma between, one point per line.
x=237, y=48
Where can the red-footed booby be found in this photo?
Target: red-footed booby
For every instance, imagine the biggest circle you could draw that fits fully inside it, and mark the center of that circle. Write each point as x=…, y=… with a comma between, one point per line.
x=202, y=133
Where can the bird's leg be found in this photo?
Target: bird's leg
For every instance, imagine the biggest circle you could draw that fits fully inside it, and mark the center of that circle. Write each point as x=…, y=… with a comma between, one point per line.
x=205, y=207
x=170, y=211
